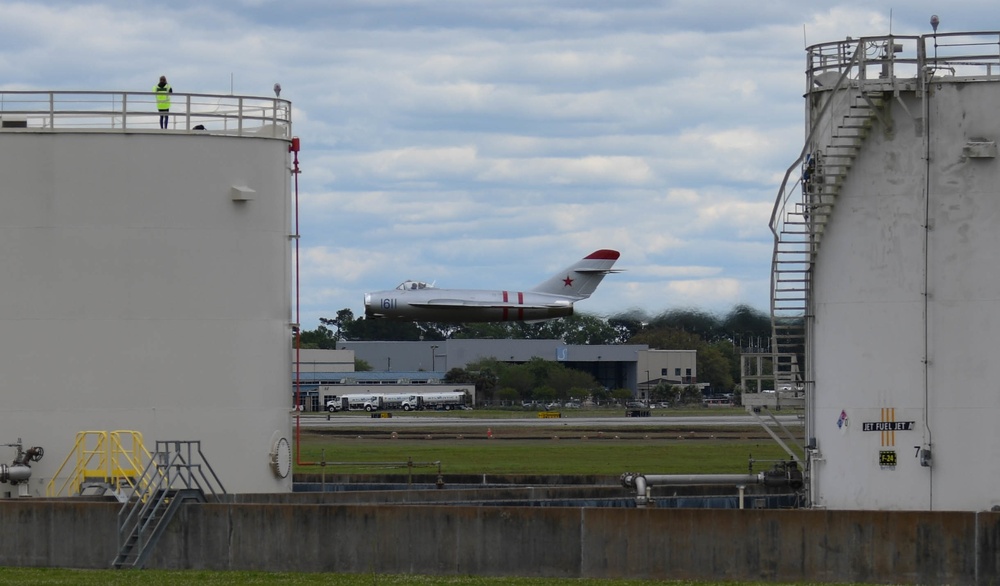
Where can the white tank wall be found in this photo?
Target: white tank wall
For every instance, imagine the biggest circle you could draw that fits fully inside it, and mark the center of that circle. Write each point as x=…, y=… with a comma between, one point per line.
x=868, y=335
x=138, y=295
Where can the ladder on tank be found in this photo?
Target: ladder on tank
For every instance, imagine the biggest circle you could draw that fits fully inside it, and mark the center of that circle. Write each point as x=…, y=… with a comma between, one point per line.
x=798, y=223
x=177, y=473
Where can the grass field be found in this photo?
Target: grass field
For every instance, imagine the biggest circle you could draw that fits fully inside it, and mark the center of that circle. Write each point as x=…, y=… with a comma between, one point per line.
x=543, y=457
x=507, y=445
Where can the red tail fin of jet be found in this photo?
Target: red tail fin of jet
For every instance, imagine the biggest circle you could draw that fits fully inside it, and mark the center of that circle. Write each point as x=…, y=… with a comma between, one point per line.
x=582, y=278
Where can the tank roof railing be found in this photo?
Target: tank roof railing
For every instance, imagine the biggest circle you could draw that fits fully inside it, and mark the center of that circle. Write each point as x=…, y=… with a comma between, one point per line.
x=962, y=56
x=105, y=111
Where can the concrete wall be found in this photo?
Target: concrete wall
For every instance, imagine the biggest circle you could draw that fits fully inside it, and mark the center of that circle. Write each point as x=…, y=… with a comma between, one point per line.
x=786, y=545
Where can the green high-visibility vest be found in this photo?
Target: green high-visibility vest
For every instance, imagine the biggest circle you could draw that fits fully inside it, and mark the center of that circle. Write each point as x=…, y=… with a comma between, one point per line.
x=162, y=96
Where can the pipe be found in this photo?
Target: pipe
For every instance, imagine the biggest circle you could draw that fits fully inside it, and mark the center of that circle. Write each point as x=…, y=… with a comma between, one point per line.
x=925, y=79
x=642, y=482
x=294, y=148
x=20, y=469
x=696, y=479
x=784, y=474
x=14, y=473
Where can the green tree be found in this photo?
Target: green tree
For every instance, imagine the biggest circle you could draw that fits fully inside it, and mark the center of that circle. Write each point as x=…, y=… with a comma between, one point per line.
x=579, y=329
x=700, y=323
x=691, y=395
x=482, y=374
x=361, y=365
x=626, y=326
x=564, y=379
x=520, y=379
x=663, y=392
x=714, y=367
x=322, y=338
x=544, y=394
x=747, y=327
x=621, y=395
x=457, y=376
x=508, y=395
x=486, y=383
x=578, y=394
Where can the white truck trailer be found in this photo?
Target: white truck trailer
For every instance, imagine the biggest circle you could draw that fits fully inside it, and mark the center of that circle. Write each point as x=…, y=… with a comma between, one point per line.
x=444, y=401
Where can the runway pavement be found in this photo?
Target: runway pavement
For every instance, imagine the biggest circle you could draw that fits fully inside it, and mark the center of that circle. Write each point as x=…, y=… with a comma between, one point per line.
x=409, y=420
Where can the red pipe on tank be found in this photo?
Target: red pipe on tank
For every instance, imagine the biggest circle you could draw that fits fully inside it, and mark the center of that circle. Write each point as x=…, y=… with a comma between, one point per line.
x=294, y=149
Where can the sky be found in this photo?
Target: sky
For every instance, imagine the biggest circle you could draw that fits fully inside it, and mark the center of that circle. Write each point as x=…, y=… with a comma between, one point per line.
x=489, y=144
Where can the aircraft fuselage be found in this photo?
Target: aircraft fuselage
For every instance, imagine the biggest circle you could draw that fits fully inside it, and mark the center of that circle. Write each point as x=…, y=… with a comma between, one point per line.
x=465, y=305
x=552, y=298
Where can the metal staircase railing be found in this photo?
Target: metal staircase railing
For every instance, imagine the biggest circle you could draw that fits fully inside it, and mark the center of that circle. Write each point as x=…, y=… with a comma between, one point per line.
x=177, y=473
x=804, y=208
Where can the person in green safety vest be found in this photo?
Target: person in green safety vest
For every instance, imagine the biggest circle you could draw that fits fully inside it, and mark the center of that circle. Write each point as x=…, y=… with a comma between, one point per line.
x=163, y=91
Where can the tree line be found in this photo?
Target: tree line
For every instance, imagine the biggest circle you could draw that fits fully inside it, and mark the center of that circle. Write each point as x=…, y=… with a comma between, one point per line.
x=718, y=339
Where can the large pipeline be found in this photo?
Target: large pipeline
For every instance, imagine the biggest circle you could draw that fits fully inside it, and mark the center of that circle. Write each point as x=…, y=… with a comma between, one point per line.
x=783, y=474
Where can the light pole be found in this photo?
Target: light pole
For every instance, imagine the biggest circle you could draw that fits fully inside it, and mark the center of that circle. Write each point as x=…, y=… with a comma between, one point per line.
x=433, y=356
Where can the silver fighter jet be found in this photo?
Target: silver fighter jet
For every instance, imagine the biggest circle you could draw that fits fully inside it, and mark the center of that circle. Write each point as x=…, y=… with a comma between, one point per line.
x=419, y=301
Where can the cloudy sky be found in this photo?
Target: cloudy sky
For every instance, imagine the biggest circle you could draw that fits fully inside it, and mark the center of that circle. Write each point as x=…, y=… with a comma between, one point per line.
x=489, y=143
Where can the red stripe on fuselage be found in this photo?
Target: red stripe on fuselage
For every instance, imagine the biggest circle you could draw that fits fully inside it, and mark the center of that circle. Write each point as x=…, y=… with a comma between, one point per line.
x=506, y=310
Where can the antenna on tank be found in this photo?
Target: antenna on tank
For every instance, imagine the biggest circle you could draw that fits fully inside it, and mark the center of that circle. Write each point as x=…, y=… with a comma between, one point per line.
x=230, y=83
x=890, y=22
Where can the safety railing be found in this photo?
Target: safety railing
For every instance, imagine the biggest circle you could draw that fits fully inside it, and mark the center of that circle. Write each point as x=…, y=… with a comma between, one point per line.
x=112, y=459
x=89, y=457
x=177, y=473
x=128, y=458
x=963, y=55
x=59, y=111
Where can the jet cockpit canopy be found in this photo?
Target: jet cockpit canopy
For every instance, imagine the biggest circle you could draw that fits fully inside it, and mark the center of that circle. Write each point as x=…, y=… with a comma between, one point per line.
x=413, y=286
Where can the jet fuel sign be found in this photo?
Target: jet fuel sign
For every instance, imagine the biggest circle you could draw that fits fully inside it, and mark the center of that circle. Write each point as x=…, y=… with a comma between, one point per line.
x=888, y=426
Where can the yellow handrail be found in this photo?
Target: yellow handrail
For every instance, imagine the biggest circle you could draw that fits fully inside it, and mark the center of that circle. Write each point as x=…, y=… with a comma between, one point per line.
x=102, y=456
x=128, y=464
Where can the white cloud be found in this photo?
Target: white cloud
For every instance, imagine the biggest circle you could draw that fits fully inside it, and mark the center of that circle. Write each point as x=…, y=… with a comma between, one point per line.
x=492, y=143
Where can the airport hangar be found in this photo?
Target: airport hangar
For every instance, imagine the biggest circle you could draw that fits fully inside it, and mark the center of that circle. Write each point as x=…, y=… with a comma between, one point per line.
x=415, y=365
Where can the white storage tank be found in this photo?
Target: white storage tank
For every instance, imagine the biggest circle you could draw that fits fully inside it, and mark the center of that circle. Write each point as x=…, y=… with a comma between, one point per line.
x=898, y=207
x=146, y=277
